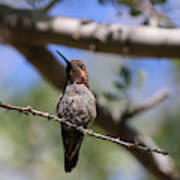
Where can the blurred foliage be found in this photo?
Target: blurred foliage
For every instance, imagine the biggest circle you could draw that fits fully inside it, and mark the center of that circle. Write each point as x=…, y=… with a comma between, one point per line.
x=131, y=3
x=122, y=84
x=128, y=2
x=120, y=98
x=167, y=135
x=147, y=9
x=134, y=12
x=158, y=1
x=126, y=81
x=36, y=3
x=33, y=144
x=136, y=8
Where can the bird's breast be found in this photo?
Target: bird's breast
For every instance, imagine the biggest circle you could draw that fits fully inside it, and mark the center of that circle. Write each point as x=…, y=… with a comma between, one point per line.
x=77, y=104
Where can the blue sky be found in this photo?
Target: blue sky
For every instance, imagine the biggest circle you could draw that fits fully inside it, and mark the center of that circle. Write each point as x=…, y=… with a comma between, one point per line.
x=17, y=75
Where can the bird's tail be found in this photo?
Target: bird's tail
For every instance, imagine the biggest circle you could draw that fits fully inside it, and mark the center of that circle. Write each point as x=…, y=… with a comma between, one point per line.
x=69, y=164
x=72, y=140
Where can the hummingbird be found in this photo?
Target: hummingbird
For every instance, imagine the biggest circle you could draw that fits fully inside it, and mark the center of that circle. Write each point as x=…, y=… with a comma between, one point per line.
x=77, y=105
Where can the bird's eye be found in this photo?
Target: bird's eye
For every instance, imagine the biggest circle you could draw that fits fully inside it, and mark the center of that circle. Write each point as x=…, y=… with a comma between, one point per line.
x=82, y=66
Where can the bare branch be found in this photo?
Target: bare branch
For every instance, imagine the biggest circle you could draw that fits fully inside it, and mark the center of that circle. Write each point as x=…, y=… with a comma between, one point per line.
x=155, y=17
x=50, y=5
x=45, y=63
x=24, y=29
x=46, y=115
x=161, y=166
x=31, y=28
x=146, y=105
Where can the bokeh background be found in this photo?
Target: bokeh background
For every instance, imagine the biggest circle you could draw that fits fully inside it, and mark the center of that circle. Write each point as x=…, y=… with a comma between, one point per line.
x=30, y=147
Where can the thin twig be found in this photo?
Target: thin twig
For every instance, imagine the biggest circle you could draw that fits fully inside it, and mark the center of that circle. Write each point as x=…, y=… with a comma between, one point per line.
x=50, y=5
x=146, y=105
x=129, y=145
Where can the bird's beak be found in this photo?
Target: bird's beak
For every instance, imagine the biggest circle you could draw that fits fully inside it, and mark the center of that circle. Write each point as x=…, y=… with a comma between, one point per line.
x=64, y=58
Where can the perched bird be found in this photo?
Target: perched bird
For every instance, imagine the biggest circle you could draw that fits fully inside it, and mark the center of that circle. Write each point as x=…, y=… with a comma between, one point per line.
x=76, y=105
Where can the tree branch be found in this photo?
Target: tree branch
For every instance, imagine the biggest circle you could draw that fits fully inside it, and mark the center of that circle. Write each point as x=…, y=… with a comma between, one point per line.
x=50, y=5
x=128, y=145
x=146, y=105
x=161, y=166
x=45, y=63
x=24, y=30
x=33, y=28
x=155, y=17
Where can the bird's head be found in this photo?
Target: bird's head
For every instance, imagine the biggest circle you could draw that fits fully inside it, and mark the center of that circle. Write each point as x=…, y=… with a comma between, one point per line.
x=76, y=71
